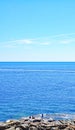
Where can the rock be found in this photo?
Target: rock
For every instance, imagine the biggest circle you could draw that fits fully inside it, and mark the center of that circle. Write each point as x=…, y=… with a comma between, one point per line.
x=34, y=124
x=50, y=120
x=37, y=120
x=33, y=128
x=24, y=126
x=58, y=122
x=72, y=126
x=3, y=126
x=67, y=128
x=37, y=124
x=23, y=119
x=8, y=121
x=45, y=121
x=12, y=122
x=54, y=128
x=12, y=128
x=62, y=126
x=18, y=128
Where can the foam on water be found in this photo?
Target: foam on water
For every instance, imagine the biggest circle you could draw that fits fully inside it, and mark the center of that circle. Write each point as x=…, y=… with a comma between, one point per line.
x=56, y=116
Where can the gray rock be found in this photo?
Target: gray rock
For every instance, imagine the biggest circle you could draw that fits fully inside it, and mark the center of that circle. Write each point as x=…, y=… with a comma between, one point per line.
x=3, y=126
x=62, y=126
x=24, y=126
x=34, y=124
x=58, y=123
x=12, y=128
x=33, y=128
x=18, y=128
x=37, y=124
x=22, y=120
x=54, y=128
x=37, y=120
x=12, y=122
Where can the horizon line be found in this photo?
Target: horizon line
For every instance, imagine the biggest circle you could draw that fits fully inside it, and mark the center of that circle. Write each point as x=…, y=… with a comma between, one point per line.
x=36, y=61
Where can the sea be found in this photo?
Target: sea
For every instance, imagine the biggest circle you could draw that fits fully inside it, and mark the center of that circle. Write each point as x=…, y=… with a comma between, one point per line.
x=32, y=88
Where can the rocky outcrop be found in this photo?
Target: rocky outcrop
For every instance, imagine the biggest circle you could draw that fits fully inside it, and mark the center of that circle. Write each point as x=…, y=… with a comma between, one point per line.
x=37, y=124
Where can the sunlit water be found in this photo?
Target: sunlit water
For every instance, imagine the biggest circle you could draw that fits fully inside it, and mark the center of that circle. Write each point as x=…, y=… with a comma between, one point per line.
x=32, y=88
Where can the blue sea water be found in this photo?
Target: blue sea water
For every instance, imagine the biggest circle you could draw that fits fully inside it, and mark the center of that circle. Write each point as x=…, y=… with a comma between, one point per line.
x=30, y=88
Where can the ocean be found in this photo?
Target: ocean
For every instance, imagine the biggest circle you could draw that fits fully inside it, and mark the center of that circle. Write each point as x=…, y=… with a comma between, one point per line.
x=31, y=88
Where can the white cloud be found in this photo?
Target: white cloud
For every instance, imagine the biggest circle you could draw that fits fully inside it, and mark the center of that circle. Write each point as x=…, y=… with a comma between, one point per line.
x=45, y=43
x=55, y=39
x=68, y=41
x=64, y=35
x=23, y=41
x=15, y=43
x=65, y=41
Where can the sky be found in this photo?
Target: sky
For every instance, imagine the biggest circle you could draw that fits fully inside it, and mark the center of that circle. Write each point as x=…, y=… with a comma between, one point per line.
x=37, y=30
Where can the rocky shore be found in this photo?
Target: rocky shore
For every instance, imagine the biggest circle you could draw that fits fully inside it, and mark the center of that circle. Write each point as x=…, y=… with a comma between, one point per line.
x=37, y=123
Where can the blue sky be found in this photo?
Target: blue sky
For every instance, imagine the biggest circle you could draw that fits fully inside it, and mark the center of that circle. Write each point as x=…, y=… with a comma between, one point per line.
x=37, y=30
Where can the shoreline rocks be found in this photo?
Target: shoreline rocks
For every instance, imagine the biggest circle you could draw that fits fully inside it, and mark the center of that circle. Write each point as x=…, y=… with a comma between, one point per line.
x=34, y=123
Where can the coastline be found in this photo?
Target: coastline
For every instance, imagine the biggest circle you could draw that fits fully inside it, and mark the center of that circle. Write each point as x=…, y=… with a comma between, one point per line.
x=38, y=123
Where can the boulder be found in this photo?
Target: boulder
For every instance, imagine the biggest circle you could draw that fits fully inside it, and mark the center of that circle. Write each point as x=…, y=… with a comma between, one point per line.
x=3, y=126
x=37, y=120
x=33, y=128
x=11, y=128
x=18, y=128
x=24, y=126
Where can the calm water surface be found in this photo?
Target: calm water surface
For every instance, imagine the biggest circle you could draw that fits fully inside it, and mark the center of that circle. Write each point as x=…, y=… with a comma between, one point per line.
x=31, y=88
